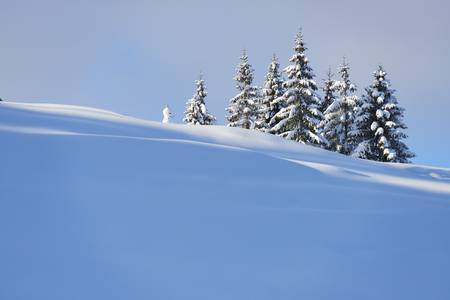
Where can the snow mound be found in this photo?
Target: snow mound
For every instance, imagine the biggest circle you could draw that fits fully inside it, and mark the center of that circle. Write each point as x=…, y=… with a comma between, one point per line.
x=96, y=205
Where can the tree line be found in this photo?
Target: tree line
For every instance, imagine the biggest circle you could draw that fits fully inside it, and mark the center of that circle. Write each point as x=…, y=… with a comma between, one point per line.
x=369, y=127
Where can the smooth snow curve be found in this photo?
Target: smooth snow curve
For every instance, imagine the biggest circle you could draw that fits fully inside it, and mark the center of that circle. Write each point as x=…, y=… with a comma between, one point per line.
x=96, y=205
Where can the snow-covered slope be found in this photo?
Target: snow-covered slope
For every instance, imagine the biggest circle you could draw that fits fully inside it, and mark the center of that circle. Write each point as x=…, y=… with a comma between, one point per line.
x=95, y=205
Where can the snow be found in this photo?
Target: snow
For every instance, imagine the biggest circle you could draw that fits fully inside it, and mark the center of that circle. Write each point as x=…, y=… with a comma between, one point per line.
x=203, y=109
x=95, y=205
x=166, y=115
x=379, y=131
x=374, y=126
x=379, y=113
x=390, y=124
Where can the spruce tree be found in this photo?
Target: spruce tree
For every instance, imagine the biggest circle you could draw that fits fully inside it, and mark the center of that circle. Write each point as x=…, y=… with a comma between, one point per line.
x=329, y=96
x=196, y=112
x=298, y=118
x=242, y=108
x=338, y=119
x=273, y=89
x=379, y=124
x=329, y=92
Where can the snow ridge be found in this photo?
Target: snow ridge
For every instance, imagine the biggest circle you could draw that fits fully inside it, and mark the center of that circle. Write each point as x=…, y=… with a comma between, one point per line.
x=96, y=205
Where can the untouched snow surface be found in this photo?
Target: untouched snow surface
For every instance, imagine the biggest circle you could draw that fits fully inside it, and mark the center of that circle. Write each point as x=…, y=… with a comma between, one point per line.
x=95, y=205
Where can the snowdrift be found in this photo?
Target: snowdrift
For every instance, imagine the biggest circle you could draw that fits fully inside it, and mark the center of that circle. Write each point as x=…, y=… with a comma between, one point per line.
x=96, y=205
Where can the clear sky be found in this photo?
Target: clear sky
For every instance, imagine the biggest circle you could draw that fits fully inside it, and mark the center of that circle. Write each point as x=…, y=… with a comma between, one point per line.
x=133, y=56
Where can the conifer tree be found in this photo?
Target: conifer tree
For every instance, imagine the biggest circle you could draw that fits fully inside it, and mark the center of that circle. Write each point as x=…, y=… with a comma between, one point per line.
x=242, y=109
x=196, y=112
x=273, y=89
x=338, y=119
x=329, y=96
x=379, y=124
x=298, y=118
x=329, y=92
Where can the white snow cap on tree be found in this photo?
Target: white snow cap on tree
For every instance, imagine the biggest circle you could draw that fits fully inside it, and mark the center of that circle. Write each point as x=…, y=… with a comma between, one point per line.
x=339, y=116
x=299, y=116
x=166, y=114
x=242, y=109
x=379, y=124
x=196, y=112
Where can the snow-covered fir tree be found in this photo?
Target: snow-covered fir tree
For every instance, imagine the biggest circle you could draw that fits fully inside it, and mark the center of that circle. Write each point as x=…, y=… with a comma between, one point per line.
x=329, y=92
x=379, y=124
x=338, y=117
x=242, y=109
x=299, y=116
x=329, y=96
x=272, y=89
x=196, y=112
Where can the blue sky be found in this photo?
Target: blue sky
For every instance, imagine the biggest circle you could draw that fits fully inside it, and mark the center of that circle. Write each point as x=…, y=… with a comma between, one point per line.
x=133, y=57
